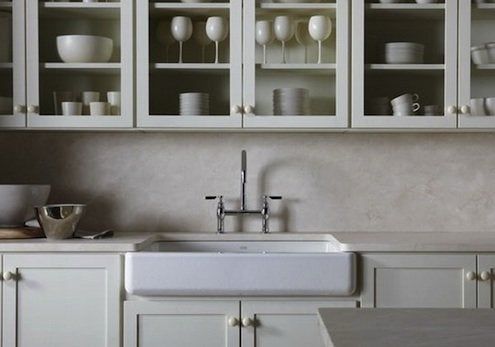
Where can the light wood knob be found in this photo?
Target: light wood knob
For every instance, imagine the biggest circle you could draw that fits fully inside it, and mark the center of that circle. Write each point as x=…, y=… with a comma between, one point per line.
x=451, y=110
x=236, y=109
x=471, y=276
x=247, y=322
x=32, y=109
x=465, y=109
x=485, y=276
x=233, y=321
x=248, y=109
x=7, y=276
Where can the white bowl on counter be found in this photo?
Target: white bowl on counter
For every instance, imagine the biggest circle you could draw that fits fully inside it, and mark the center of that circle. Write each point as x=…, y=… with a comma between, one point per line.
x=17, y=202
x=84, y=48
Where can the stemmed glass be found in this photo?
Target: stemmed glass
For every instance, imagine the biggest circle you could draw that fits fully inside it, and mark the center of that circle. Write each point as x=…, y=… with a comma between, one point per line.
x=284, y=29
x=199, y=35
x=302, y=36
x=217, y=29
x=164, y=36
x=264, y=35
x=320, y=29
x=182, y=29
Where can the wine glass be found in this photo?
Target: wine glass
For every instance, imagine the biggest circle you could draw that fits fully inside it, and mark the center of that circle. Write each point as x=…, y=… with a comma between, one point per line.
x=217, y=29
x=199, y=35
x=182, y=29
x=264, y=35
x=302, y=37
x=320, y=28
x=164, y=36
x=284, y=29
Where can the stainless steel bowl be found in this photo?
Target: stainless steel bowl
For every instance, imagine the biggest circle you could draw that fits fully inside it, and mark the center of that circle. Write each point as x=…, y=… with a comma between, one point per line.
x=59, y=221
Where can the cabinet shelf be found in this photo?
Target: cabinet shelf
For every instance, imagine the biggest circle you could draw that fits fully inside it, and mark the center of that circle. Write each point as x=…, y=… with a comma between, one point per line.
x=412, y=68
x=190, y=66
x=97, y=10
x=485, y=67
x=194, y=9
x=408, y=11
x=300, y=68
x=300, y=9
x=107, y=68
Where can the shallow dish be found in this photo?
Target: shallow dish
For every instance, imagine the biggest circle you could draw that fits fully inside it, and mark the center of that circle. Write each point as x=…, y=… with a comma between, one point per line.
x=84, y=48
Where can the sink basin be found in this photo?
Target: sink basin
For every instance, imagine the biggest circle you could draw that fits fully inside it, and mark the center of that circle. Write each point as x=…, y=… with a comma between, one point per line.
x=240, y=268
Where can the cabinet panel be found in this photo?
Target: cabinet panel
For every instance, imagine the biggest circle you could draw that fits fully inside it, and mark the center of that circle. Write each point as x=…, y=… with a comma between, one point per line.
x=180, y=323
x=418, y=280
x=279, y=323
x=52, y=299
x=486, y=288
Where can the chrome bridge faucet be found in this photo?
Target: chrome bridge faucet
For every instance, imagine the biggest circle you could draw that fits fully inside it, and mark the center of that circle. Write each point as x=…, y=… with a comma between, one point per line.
x=264, y=212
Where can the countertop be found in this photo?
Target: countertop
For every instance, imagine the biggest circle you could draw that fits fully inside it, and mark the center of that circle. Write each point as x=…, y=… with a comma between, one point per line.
x=338, y=241
x=407, y=327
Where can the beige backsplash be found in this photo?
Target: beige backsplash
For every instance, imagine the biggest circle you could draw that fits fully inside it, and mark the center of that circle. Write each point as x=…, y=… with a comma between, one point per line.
x=330, y=182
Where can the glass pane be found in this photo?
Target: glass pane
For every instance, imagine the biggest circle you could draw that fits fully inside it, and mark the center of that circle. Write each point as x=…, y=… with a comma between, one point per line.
x=6, y=62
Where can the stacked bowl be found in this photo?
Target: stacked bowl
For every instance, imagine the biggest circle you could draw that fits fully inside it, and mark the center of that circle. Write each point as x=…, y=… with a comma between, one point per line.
x=404, y=53
x=291, y=102
x=194, y=104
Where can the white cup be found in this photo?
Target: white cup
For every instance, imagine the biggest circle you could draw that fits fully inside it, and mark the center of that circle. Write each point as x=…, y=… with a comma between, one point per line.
x=71, y=108
x=478, y=107
x=490, y=106
x=405, y=98
x=99, y=108
x=431, y=110
x=406, y=109
x=113, y=99
x=87, y=98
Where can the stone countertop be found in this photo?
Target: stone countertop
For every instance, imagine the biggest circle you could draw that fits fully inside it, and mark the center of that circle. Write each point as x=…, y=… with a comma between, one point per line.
x=338, y=241
x=407, y=327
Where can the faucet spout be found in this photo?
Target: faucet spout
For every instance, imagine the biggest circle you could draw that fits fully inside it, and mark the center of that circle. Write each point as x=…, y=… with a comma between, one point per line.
x=243, y=179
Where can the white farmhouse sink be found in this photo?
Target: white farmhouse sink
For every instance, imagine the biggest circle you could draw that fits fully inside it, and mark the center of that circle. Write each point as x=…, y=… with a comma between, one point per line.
x=239, y=268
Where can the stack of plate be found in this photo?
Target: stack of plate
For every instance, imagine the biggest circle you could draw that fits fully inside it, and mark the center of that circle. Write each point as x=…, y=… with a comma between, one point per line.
x=194, y=104
x=291, y=102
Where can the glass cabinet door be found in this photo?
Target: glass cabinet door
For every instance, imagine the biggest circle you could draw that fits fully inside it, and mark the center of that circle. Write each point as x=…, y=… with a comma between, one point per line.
x=404, y=67
x=476, y=64
x=12, y=65
x=79, y=63
x=296, y=64
x=189, y=64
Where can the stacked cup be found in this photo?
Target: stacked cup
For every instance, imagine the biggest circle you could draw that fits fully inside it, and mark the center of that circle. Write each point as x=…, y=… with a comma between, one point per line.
x=405, y=105
x=291, y=102
x=194, y=104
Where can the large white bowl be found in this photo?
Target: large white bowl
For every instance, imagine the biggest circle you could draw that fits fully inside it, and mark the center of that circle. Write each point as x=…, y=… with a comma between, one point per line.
x=17, y=202
x=84, y=48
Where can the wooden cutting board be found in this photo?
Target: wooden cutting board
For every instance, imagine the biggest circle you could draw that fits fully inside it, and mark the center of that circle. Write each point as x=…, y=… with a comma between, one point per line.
x=20, y=233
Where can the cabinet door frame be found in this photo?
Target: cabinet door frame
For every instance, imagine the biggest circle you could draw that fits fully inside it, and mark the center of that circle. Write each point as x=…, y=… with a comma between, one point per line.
x=359, y=119
x=133, y=309
x=15, y=263
x=125, y=120
x=250, y=308
x=371, y=262
x=144, y=118
x=341, y=117
x=486, y=262
x=18, y=118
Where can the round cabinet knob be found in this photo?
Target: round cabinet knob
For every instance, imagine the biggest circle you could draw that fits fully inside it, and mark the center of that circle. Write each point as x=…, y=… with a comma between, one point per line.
x=451, y=110
x=236, y=109
x=233, y=321
x=471, y=276
x=32, y=109
x=485, y=276
x=18, y=109
x=7, y=276
x=465, y=109
x=247, y=322
x=248, y=109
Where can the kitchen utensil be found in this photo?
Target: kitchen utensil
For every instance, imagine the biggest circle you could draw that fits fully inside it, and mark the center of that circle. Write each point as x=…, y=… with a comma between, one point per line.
x=84, y=48
x=201, y=38
x=217, y=29
x=91, y=235
x=404, y=53
x=87, y=98
x=182, y=29
x=320, y=29
x=59, y=221
x=99, y=108
x=164, y=36
x=113, y=99
x=477, y=107
x=17, y=202
x=71, y=108
x=479, y=55
x=58, y=98
x=6, y=105
x=264, y=35
x=284, y=29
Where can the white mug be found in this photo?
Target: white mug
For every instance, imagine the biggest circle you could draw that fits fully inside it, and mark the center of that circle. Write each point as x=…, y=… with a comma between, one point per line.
x=405, y=98
x=478, y=107
x=99, y=108
x=113, y=99
x=71, y=108
x=87, y=98
x=490, y=106
x=406, y=109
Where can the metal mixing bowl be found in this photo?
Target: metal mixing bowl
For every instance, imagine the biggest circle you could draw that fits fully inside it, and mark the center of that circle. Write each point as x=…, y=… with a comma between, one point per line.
x=59, y=221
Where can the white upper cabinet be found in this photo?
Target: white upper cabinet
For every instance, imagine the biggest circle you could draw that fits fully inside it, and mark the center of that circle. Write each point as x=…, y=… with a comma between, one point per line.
x=50, y=80
x=378, y=77
x=162, y=78
x=12, y=65
x=477, y=74
x=323, y=102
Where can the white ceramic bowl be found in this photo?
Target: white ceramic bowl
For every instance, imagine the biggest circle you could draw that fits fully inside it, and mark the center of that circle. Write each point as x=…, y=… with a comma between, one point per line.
x=84, y=48
x=6, y=105
x=17, y=202
x=480, y=56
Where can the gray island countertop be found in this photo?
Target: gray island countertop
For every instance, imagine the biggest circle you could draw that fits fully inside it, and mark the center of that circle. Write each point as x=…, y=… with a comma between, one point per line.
x=348, y=327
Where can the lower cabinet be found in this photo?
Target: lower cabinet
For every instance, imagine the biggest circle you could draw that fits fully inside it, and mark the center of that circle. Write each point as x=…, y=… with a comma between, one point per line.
x=229, y=323
x=60, y=300
x=419, y=280
x=486, y=278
